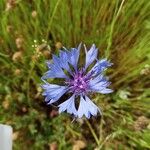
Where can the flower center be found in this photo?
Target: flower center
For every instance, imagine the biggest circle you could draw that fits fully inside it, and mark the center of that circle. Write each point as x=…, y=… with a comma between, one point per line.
x=79, y=83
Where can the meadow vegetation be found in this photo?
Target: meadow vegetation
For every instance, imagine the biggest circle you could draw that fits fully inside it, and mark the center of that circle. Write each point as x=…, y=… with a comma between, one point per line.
x=31, y=30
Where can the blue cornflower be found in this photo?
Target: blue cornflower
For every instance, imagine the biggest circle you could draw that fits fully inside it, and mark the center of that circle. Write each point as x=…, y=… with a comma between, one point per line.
x=77, y=81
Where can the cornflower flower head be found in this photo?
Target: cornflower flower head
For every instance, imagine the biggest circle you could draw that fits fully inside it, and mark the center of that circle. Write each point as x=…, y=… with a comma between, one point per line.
x=79, y=81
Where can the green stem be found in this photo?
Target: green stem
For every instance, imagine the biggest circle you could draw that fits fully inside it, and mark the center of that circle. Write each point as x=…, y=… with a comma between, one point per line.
x=92, y=131
x=101, y=129
x=106, y=139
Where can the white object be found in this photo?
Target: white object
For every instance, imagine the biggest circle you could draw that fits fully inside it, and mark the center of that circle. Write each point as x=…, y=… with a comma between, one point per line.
x=5, y=137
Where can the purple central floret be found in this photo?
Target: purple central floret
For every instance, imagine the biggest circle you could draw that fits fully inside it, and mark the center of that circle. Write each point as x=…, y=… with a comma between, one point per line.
x=79, y=82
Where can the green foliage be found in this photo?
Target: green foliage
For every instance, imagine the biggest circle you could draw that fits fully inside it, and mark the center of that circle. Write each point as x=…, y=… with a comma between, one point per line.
x=121, y=31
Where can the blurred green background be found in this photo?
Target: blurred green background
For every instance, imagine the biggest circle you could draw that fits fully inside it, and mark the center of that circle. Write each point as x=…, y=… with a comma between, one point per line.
x=31, y=30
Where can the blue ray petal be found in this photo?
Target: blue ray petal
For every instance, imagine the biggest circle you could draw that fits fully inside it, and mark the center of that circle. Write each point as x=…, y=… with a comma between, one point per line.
x=53, y=92
x=93, y=109
x=74, y=56
x=64, y=57
x=91, y=55
x=99, y=84
x=101, y=87
x=68, y=105
x=97, y=79
x=83, y=108
x=55, y=72
x=56, y=61
x=100, y=66
x=87, y=108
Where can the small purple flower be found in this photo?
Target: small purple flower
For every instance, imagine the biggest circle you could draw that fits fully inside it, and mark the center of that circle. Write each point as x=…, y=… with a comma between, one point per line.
x=78, y=81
